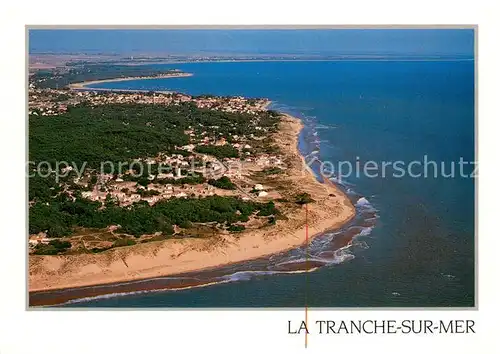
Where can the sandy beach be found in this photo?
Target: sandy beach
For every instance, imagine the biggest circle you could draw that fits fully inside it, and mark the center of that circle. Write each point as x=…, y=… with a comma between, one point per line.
x=330, y=210
x=83, y=85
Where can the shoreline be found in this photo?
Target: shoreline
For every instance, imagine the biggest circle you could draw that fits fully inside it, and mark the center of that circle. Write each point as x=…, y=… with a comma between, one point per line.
x=83, y=85
x=382, y=59
x=331, y=210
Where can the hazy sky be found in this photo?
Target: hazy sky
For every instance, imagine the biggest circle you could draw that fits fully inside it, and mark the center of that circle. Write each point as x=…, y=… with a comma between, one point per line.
x=335, y=41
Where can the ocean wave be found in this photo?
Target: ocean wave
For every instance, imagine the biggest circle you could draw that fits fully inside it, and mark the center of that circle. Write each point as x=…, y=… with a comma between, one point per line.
x=109, y=296
x=365, y=231
x=310, y=258
x=448, y=276
x=337, y=257
x=360, y=244
x=342, y=181
x=342, y=255
x=319, y=257
x=350, y=191
x=246, y=275
x=362, y=202
x=324, y=126
x=139, y=292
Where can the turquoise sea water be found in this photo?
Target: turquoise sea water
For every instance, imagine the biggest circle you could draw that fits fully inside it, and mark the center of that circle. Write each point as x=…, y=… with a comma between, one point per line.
x=421, y=250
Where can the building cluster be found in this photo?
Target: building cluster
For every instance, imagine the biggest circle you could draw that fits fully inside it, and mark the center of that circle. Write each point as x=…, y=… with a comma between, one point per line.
x=48, y=102
x=232, y=104
x=52, y=102
x=125, y=192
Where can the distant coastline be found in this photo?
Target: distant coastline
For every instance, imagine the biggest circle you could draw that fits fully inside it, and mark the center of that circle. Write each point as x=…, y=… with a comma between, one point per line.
x=45, y=60
x=84, y=85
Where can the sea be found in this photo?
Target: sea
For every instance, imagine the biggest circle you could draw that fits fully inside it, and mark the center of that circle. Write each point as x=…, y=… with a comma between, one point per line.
x=412, y=242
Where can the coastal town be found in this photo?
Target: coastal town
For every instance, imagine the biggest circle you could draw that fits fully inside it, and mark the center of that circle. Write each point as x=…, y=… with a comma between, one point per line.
x=47, y=101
